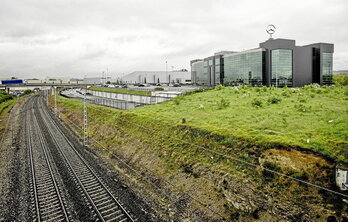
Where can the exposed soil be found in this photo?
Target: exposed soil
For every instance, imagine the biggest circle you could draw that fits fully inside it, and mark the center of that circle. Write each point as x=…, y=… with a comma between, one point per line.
x=14, y=193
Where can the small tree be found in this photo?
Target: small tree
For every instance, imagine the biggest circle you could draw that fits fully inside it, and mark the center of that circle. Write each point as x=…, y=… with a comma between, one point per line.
x=27, y=91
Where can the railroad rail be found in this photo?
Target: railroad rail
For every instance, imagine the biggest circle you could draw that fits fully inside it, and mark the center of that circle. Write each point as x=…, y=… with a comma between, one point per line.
x=103, y=202
x=47, y=199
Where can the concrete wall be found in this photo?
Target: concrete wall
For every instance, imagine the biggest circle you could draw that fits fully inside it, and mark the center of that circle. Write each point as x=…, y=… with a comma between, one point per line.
x=302, y=66
x=165, y=94
x=130, y=98
x=114, y=103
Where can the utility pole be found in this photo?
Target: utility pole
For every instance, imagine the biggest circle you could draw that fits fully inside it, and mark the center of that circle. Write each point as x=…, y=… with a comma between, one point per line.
x=85, y=119
x=167, y=73
x=55, y=101
x=12, y=130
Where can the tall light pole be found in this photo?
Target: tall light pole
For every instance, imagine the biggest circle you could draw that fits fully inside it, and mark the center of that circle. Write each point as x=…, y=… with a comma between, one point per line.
x=85, y=118
x=55, y=100
x=167, y=74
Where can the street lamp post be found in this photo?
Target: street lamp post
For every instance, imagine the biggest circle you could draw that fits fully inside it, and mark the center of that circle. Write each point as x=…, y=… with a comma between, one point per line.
x=167, y=73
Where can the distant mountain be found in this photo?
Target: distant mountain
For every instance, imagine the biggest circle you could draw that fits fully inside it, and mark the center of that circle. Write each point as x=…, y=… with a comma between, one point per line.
x=340, y=71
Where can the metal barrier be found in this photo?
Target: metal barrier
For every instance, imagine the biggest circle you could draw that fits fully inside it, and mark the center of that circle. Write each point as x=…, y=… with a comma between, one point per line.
x=129, y=97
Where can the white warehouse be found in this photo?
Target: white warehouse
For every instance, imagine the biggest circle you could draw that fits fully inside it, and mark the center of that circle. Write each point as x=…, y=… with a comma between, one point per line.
x=180, y=76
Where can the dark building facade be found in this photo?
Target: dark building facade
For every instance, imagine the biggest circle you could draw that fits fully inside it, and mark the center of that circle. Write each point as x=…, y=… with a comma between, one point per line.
x=277, y=62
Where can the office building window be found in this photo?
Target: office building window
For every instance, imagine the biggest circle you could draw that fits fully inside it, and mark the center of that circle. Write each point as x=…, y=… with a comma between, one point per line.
x=199, y=73
x=326, y=63
x=244, y=68
x=281, y=68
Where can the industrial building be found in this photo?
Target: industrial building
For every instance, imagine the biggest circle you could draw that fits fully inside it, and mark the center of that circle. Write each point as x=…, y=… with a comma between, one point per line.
x=276, y=62
x=99, y=80
x=152, y=77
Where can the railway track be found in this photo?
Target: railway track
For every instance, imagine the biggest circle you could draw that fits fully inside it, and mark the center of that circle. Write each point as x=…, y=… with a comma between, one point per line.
x=104, y=204
x=47, y=199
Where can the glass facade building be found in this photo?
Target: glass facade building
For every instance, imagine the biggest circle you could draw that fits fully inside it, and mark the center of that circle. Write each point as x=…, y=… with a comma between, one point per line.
x=209, y=71
x=219, y=70
x=276, y=62
x=199, y=73
x=326, y=67
x=244, y=68
x=282, y=67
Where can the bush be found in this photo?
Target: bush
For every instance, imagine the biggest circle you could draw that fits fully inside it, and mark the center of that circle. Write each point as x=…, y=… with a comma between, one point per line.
x=223, y=104
x=27, y=91
x=219, y=87
x=341, y=79
x=269, y=176
x=302, y=108
x=274, y=100
x=311, y=86
x=300, y=176
x=159, y=89
x=256, y=103
x=286, y=93
x=302, y=100
x=196, y=91
x=4, y=96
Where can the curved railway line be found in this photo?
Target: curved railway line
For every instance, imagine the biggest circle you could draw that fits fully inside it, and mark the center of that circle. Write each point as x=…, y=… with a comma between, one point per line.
x=105, y=205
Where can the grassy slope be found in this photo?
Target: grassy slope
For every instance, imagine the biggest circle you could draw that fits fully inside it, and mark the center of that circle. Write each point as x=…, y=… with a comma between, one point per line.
x=341, y=79
x=128, y=91
x=317, y=114
x=310, y=117
x=232, y=126
x=4, y=108
x=4, y=96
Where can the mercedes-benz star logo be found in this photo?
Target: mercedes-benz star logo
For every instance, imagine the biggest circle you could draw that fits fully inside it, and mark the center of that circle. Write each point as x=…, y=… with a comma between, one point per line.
x=271, y=30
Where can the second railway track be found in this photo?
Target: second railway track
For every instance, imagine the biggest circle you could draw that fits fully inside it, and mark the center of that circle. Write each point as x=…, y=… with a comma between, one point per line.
x=105, y=205
x=47, y=199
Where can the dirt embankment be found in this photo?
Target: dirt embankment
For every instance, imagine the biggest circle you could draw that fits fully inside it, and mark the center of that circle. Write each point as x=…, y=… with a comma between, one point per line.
x=185, y=182
x=14, y=202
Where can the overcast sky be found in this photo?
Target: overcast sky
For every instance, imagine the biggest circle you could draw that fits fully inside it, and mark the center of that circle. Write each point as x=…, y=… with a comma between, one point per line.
x=73, y=38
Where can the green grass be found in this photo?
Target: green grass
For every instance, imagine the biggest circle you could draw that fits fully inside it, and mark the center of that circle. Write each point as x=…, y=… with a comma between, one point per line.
x=128, y=91
x=341, y=79
x=5, y=106
x=311, y=117
x=238, y=121
x=4, y=96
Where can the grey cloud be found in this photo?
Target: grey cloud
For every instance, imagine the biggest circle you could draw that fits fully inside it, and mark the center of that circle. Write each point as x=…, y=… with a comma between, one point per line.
x=85, y=36
x=124, y=39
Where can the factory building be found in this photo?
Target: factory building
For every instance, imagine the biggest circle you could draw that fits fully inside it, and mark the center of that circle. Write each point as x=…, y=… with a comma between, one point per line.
x=276, y=62
x=152, y=77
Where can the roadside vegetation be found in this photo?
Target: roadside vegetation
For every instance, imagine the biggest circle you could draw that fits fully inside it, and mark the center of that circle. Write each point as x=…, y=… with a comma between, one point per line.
x=341, y=79
x=4, y=96
x=288, y=130
x=128, y=91
x=6, y=103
